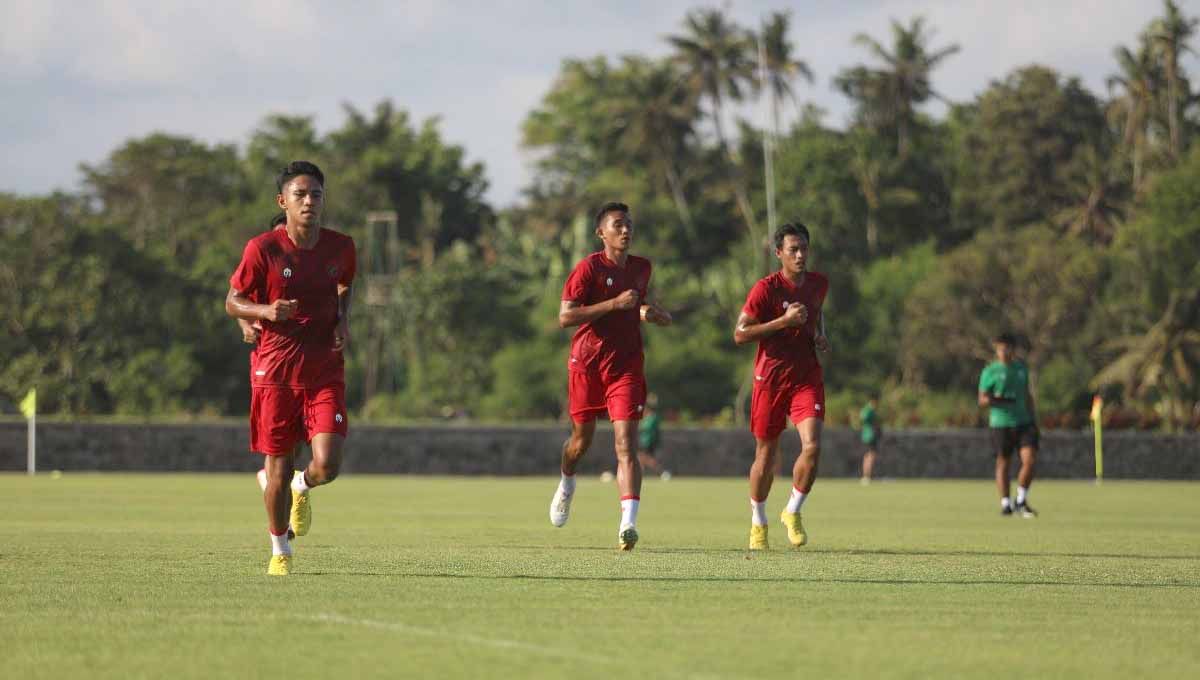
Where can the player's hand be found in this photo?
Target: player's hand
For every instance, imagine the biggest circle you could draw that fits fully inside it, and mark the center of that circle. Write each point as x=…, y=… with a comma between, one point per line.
x=822, y=343
x=626, y=300
x=341, y=336
x=281, y=310
x=250, y=331
x=656, y=315
x=796, y=315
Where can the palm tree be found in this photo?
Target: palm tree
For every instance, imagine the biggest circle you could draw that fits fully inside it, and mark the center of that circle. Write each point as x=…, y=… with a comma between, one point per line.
x=781, y=67
x=1099, y=195
x=902, y=84
x=871, y=168
x=715, y=56
x=1169, y=35
x=657, y=113
x=1164, y=361
x=1138, y=82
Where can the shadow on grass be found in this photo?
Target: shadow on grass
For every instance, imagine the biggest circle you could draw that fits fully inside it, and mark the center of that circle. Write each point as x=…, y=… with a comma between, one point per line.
x=859, y=551
x=761, y=579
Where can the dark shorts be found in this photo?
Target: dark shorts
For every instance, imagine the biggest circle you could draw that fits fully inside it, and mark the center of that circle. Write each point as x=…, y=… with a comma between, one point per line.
x=1005, y=440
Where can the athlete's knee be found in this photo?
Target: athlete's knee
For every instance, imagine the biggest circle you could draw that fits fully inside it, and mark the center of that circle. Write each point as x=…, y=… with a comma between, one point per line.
x=323, y=471
x=810, y=450
x=625, y=448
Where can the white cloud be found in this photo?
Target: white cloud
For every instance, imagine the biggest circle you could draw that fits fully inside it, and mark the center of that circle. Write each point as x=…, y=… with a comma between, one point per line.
x=84, y=77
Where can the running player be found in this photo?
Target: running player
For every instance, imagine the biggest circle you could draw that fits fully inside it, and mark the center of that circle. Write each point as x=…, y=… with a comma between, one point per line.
x=1004, y=390
x=606, y=295
x=783, y=315
x=296, y=282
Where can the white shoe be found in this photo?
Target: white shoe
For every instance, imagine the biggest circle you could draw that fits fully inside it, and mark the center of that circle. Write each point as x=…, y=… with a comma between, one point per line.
x=665, y=476
x=560, y=507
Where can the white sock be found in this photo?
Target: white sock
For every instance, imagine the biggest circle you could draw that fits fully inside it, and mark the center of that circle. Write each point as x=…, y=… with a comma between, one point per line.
x=567, y=484
x=1005, y=502
x=758, y=513
x=298, y=483
x=796, y=500
x=629, y=508
x=1022, y=494
x=280, y=544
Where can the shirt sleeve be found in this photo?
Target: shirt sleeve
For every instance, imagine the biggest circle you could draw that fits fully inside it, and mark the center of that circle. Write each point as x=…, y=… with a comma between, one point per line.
x=578, y=283
x=986, y=381
x=251, y=273
x=758, y=303
x=349, y=264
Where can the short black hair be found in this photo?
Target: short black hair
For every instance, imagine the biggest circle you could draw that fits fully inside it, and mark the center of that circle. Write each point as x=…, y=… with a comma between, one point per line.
x=298, y=169
x=1005, y=338
x=791, y=229
x=611, y=206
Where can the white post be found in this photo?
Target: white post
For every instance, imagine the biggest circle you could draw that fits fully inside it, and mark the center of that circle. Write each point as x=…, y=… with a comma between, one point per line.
x=33, y=444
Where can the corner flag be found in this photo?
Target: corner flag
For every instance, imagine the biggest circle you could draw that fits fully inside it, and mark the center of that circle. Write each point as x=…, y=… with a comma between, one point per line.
x=1097, y=427
x=29, y=404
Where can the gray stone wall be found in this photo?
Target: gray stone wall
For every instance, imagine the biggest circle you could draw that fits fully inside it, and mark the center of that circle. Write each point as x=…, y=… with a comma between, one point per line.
x=534, y=450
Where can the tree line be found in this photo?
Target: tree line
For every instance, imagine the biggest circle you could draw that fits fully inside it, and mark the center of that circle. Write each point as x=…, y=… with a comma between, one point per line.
x=1069, y=217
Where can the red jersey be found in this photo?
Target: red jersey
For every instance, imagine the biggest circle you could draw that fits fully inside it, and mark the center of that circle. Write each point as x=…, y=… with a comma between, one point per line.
x=297, y=352
x=786, y=357
x=612, y=344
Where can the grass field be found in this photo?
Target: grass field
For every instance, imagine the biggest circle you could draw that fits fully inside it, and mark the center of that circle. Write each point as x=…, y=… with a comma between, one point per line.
x=163, y=576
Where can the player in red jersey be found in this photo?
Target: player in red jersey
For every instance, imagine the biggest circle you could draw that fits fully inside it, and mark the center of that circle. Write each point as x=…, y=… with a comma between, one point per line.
x=783, y=315
x=606, y=295
x=296, y=282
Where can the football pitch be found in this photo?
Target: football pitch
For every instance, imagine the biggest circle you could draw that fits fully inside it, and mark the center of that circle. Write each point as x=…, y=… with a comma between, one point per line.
x=152, y=576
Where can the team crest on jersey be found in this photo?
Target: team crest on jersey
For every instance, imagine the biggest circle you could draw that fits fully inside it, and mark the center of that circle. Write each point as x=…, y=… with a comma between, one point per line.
x=608, y=282
x=338, y=418
x=287, y=272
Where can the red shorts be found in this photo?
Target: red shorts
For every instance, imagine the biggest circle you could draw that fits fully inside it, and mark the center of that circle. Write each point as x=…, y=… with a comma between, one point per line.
x=771, y=405
x=282, y=417
x=589, y=395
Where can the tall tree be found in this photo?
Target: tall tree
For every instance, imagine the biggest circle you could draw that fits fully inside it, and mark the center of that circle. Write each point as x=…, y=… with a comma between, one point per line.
x=782, y=66
x=717, y=57
x=892, y=93
x=1169, y=36
x=1132, y=107
x=654, y=116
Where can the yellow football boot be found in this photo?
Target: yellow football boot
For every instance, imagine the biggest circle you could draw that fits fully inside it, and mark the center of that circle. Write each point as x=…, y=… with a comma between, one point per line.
x=795, y=528
x=627, y=539
x=758, y=537
x=300, y=520
x=281, y=565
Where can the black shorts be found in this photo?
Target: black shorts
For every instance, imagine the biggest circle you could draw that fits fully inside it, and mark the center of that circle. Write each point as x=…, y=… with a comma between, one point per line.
x=1005, y=440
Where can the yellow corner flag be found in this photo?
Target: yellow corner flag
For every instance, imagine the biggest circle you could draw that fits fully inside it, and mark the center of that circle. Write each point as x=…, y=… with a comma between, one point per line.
x=29, y=403
x=1097, y=418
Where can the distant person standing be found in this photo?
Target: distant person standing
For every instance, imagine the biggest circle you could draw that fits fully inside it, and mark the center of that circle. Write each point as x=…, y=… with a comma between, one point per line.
x=872, y=432
x=649, y=438
x=1004, y=390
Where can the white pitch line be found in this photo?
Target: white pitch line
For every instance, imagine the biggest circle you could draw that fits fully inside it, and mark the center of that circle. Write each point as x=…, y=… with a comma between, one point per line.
x=498, y=643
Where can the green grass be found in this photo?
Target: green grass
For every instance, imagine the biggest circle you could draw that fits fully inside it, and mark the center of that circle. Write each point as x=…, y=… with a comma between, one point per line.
x=163, y=576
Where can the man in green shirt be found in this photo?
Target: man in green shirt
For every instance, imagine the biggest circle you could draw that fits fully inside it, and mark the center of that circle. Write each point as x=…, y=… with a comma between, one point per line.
x=648, y=439
x=1004, y=390
x=872, y=432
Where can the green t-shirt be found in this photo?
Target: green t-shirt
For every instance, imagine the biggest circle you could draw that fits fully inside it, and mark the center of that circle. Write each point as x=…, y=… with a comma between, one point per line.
x=648, y=432
x=1010, y=381
x=870, y=424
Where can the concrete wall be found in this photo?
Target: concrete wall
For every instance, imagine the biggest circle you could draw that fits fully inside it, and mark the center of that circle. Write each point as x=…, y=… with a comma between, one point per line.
x=534, y=450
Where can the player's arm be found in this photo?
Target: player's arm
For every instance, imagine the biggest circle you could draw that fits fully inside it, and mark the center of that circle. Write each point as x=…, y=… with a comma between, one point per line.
x=820, y=339
x=341, y=332
x=1031, y=406
x=748, y=328
x=239, y=306
x=571, y=313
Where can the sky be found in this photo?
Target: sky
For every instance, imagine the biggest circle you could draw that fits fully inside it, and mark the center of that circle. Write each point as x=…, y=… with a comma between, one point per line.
x=80, y=78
